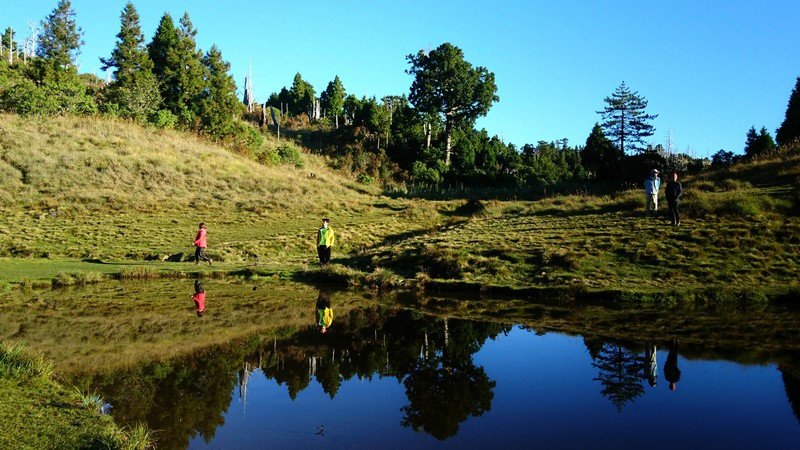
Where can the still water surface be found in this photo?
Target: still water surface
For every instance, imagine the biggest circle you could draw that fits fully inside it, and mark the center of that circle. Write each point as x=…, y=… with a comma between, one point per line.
x=448, y=374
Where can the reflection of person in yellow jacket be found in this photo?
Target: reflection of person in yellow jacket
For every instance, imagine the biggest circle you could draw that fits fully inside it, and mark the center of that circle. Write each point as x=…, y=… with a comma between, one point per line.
x=325, y=240
x=324, y=313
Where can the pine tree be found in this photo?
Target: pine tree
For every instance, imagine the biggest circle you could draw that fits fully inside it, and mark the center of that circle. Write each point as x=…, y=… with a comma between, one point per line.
x=60, y=40
x=178, y=67
x=302, y=95
x=135, y=87
x=625, y=120
x=220, y=102
x=9, y=49
x=790, y=128
x=758, y=143
x=332, y=99
x=600, y=156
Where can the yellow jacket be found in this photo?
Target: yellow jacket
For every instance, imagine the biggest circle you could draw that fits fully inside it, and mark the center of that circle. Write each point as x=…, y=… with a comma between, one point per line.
x=326, y=237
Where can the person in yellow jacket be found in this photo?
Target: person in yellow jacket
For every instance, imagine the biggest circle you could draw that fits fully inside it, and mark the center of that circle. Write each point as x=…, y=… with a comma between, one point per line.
x=325, y=240
x=324, y=312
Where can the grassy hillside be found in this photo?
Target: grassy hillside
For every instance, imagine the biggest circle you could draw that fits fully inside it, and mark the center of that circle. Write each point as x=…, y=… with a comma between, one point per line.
x=97, y=188
x=106, y=191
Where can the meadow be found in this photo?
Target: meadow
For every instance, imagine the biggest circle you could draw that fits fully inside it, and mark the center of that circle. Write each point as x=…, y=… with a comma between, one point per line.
x=87, y=199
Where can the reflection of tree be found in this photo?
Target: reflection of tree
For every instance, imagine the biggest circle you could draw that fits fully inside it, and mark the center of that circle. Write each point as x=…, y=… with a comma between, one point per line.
x=446, y=388
x=620, y=374
x=180, y=399
x=188, y=396
x=791, y=384
x=441, y=398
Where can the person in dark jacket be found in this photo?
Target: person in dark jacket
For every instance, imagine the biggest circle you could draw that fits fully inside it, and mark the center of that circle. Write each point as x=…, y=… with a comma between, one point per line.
x=674, y=191
x=671, y=371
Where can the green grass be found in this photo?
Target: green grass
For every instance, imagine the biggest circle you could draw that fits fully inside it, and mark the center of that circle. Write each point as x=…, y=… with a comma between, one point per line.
x=38, y=413
x=131, y=197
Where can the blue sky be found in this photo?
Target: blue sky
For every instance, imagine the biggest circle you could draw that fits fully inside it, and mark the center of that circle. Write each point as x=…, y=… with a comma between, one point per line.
x=710, y=69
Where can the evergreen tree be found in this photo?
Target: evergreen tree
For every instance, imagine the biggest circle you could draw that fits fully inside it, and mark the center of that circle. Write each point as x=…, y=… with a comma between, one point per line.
x=445, y=83
x=7, y=43
x=178, y=66
x=600, y=156
x=164, y=40
x=332, y=99
x=220, y=102
x=758, y=143
x=135, y=88
x=302, y=95
x=790, y=128
x=625, y=120
x=60, y=40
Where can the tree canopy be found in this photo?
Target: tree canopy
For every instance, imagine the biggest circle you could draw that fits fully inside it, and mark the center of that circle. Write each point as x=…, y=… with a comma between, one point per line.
x=790, y=127
x=446, y=84
x=625, y=120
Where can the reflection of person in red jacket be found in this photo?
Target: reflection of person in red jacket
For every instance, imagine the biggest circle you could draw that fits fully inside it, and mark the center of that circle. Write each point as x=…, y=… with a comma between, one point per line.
x=199, y=297
x=201, y=244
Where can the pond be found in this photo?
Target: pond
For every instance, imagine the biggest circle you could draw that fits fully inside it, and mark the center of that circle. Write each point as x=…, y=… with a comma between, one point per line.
x=255, y=370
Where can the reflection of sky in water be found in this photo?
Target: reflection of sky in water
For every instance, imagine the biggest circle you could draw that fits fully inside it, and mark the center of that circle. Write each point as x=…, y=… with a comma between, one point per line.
x=545, y=397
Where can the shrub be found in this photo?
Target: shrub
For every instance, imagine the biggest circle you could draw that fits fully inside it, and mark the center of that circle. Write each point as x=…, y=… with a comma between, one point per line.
x=365, y=179
x=739, y=206
x=163, y=119
x=289, y=154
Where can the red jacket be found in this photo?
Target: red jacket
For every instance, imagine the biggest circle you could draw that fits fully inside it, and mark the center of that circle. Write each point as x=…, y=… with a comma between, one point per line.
x=200, y=240
x=200, y=301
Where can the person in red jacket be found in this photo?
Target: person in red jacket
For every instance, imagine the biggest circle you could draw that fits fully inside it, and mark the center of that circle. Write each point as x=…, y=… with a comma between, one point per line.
x=199, y=297
x=201, y=244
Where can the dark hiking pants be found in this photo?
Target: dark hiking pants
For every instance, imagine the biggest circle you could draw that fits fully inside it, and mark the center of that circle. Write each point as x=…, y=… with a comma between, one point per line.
x=324, y=254
x=200, y=253
x=674, y=206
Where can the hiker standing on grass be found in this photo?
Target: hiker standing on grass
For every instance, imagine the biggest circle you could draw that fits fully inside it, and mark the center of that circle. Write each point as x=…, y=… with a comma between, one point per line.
x=325, y=240
x=651, y=187
x=201, y=244
x=674, y=190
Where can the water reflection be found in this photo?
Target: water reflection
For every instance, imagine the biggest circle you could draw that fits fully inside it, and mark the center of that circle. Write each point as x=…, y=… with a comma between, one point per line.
x=199, y=298
x=429, y=359
x=324, y=312
x=620, y=373
x=671, y=371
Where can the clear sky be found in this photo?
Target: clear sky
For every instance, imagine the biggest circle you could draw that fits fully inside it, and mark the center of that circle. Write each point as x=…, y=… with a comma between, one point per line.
x=710, y=69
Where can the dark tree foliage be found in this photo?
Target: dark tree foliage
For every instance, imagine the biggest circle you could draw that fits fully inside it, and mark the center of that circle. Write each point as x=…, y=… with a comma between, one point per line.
x=332, y=99
x=446, y=84
x=179, y=69
x=790, y=128
x=219, y=104
x=134, y=89
x=634, y=169
x=620, y=374
x=6, y=40
x=60, y=40
x=301, y=96
x=722, y=159
x=600, y=157
x=625, y=120
x=758, y=143
x=791, y=385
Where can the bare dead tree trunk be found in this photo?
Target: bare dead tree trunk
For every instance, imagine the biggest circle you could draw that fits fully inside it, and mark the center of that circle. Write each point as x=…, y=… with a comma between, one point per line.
x=448, y=132
x=427, y=128
x=337, y=121
x=263, y=115
x=11, y=46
